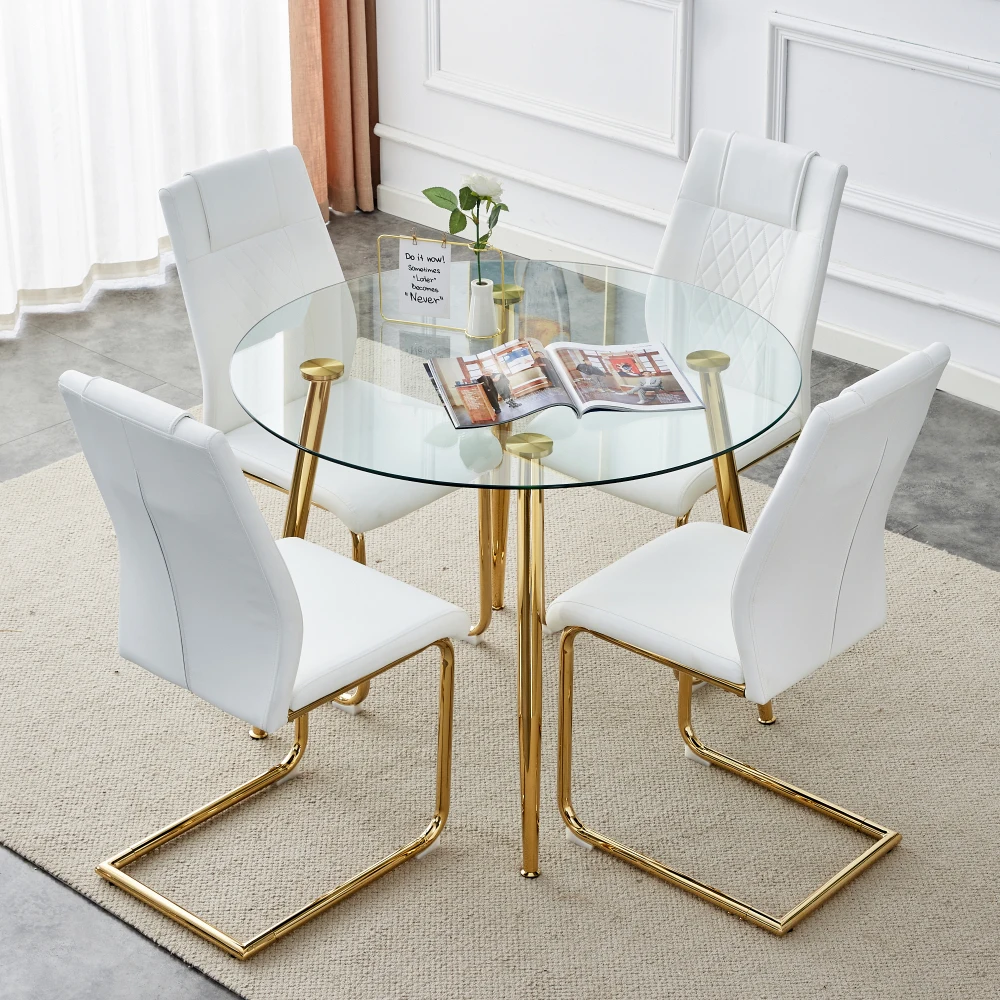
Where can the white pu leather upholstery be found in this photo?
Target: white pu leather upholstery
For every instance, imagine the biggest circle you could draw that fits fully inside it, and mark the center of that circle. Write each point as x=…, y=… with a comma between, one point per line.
x=768, y=608
x=208, y=600
x=248, y=239
x=378, y=619
x=753, y=221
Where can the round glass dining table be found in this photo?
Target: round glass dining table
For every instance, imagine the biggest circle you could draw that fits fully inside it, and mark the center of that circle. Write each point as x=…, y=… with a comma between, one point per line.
x=342, y=374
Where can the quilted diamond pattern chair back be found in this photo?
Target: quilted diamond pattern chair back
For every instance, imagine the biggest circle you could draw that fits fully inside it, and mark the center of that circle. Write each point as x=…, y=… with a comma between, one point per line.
x=754, y=221
x=249, y=238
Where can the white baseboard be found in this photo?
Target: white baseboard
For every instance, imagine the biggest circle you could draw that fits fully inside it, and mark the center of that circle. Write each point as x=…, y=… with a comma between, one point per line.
x=861, y=348
x=512, y=239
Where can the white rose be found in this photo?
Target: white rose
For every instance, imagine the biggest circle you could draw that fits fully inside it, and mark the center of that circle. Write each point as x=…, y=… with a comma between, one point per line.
x=484, y=186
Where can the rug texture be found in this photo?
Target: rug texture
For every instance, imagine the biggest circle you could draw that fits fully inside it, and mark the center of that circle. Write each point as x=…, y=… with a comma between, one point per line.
x=903, y=728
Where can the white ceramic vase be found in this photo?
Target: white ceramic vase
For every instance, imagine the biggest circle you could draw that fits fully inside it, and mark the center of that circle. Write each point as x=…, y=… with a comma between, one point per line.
x=482, y=323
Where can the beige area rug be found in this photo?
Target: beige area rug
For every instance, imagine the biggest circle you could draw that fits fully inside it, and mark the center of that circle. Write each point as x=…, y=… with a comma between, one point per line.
x=903, y=728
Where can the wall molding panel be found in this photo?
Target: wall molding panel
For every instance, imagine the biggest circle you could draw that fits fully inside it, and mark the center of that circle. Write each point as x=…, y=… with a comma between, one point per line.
x=673, y=142
x=786, y=29
x=521, y=174
x=840, y=272
x=587, y=111
x=919, y=294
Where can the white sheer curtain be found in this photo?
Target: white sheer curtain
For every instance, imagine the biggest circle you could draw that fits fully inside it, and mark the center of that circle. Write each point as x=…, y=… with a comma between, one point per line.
x=104, y=101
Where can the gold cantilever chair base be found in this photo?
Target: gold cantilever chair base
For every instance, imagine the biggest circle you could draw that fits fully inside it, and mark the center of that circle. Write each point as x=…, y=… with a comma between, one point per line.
x=885, y=839
x=112, y=869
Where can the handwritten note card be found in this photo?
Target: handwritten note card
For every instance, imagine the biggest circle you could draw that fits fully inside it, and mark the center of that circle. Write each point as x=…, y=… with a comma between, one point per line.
x=424, y=279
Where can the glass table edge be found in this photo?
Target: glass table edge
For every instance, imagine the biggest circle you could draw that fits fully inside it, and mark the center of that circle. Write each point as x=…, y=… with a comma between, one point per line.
x=523, y=486
x=518, y=486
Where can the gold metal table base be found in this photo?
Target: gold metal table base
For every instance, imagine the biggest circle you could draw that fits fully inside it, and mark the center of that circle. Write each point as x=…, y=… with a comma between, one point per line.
x=320, y=373
x=885, y=839
x=531, y=449
x=485, y=564
x=499, y=520
x=112, y=869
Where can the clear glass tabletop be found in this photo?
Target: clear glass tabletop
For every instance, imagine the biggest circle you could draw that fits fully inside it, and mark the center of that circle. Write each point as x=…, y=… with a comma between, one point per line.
x=385, y=416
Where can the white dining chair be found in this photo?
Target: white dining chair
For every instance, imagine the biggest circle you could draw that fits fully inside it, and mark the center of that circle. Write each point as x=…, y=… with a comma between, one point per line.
x=249, y=238
x=265, y=631
x=755, y=613
x=753, y=221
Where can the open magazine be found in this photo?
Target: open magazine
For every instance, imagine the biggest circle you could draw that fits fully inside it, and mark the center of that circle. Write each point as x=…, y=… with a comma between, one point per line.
x=522, y=377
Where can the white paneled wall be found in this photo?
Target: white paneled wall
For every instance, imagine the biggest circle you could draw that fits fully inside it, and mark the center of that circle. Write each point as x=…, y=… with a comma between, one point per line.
x=587, y=109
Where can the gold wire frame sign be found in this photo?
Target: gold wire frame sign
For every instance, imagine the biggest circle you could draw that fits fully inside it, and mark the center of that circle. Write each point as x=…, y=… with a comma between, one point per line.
x=413, y=238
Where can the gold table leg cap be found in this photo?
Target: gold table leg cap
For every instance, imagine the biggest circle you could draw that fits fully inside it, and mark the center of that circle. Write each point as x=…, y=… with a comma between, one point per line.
x=529, y=445
x=525, y=874
x=257, y=734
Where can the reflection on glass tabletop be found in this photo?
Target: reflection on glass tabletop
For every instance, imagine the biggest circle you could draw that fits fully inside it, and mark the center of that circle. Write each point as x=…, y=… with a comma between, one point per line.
x=386, y=416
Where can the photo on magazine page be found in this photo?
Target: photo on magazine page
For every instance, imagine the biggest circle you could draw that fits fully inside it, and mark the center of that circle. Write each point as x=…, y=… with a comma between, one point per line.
x=636, y=376
x=499, y=385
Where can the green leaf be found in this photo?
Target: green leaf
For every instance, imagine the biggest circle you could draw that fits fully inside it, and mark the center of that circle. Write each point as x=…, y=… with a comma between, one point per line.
x=503, y=207
x=441, y=197
x=457, y=222
x=466, y=199
x=482, y=243
x=494, y=216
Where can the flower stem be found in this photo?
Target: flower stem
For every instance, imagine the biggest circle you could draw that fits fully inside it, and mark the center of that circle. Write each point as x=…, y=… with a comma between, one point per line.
x=479, y=253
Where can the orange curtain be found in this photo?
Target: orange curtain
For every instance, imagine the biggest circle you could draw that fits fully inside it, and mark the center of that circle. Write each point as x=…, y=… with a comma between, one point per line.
x=335, y=99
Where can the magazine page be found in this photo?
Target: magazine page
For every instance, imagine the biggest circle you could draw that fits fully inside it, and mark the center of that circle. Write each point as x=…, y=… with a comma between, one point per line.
x=623, y=377
x=498, y=385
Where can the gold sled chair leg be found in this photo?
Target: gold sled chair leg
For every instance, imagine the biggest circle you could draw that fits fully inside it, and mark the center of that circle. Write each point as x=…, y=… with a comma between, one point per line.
x=885, y=839
x=358, y=548
x=112, y=869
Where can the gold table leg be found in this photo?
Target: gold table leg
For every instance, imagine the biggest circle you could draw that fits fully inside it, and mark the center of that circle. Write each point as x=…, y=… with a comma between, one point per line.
x=531, y=448
x=709, y=365
x=485, y=564
x=499, y=519
x=349, y=699
x=320, y=373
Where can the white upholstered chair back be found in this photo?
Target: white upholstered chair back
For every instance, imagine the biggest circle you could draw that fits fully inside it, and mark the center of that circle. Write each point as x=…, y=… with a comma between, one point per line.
x=206, y=600
x=248, y=238
x=812, y=579
x=754, y=222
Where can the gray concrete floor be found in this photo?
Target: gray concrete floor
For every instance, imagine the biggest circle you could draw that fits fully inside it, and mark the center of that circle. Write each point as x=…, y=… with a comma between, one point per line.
x=53, y=942
x=56, y=944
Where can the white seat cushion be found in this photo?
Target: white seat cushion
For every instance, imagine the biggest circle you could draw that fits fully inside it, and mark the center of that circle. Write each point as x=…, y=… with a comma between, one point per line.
x=671, y=597
x=675, y=493
x=361, y=500
x=356, y=620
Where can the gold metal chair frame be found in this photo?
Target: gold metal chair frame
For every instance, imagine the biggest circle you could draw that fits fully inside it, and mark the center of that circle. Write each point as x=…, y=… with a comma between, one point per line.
x=112, y=869
x=885, y=839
